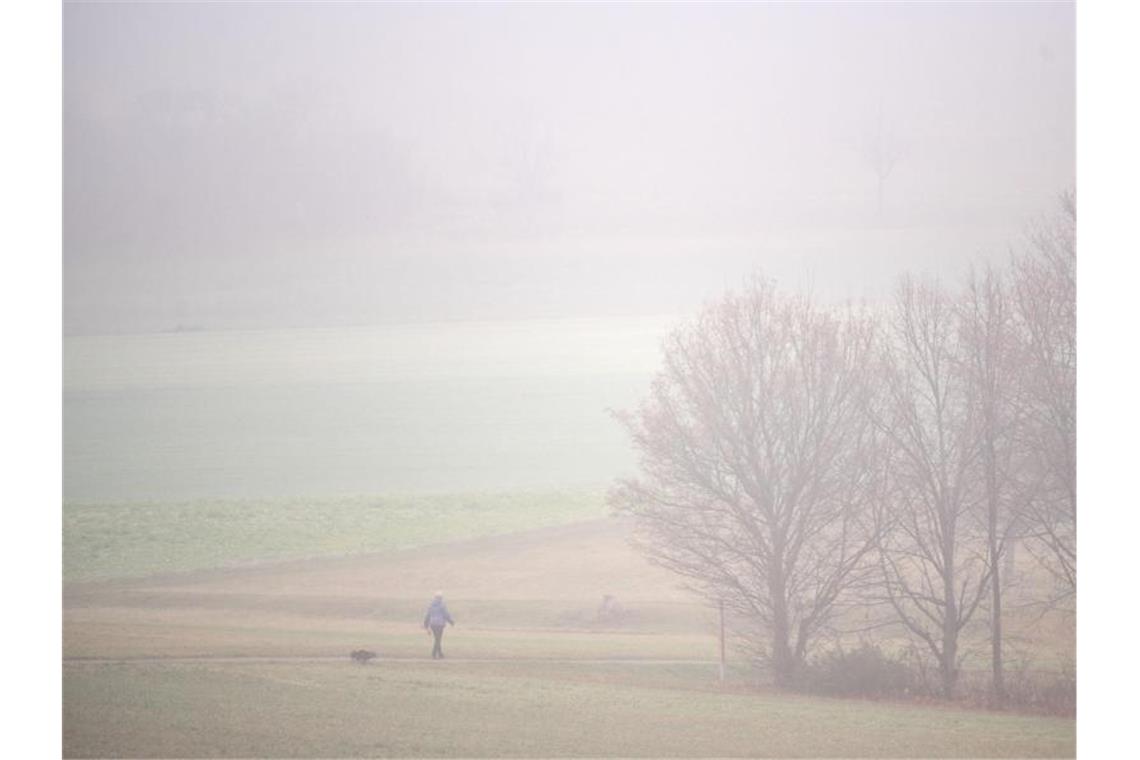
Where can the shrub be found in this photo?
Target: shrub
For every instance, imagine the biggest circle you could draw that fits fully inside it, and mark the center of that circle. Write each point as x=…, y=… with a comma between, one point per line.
x=863, y=672
x=1054, y=693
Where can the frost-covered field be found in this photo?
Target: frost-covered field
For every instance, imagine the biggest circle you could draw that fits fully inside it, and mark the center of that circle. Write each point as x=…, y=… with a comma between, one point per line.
x=350, y=411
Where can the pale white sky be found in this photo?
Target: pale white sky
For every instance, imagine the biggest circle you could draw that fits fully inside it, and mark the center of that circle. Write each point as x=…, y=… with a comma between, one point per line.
x=261, y=164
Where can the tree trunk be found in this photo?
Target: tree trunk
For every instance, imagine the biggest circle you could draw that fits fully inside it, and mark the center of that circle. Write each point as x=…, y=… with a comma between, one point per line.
x=999, y=672
x=992, y=506
x=783, y=661
x=948, y=666
x=949, y=660
x=995, y=586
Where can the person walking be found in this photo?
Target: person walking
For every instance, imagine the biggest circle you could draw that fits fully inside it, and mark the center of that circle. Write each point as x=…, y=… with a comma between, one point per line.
x=437, y=615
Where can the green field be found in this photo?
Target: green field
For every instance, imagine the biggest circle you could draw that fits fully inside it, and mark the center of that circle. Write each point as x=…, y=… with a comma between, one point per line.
x=394, y=709
x=455, y=407
x=171, y=609
x=103, y=541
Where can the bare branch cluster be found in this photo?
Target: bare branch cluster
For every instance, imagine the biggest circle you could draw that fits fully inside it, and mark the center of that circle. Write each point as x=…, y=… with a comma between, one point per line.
x=758, y=462
x=796, y=461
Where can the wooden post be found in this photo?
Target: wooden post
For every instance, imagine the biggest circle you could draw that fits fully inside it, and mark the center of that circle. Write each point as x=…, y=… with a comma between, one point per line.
x=722, y=640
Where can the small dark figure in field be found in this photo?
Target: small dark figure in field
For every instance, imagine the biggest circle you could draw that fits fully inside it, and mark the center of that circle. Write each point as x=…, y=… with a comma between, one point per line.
x=362, y=656
x=437, y=615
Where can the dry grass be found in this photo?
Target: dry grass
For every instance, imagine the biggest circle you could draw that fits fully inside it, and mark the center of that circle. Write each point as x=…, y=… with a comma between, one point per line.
x=451, y=709
x=523, y=600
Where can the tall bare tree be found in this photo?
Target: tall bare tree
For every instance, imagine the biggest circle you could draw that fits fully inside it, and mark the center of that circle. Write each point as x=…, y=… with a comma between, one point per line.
x=757, y=475
x=992, y=367
x=935, y=572
x=1044, y=282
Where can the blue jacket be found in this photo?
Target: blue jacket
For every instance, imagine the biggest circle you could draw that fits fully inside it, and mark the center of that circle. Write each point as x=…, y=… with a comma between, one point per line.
x=437, y=615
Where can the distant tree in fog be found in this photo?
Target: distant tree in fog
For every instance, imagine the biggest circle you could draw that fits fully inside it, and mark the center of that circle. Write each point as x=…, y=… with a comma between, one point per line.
x=1044, y=290
x=758, y=476
x=881, y=151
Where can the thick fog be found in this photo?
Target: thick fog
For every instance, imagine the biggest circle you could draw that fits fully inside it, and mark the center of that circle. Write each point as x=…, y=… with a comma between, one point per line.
x=260, y=165
x=517, y=321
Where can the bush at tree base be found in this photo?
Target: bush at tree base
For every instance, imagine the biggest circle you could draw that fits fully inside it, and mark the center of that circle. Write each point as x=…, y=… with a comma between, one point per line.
x=863, y=672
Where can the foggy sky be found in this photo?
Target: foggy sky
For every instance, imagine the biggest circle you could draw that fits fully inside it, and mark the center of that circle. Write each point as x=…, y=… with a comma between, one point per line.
x=259, y=165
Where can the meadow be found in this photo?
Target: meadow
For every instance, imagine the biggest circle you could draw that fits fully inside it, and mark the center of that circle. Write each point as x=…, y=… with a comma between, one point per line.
x=455, y=709
x=334, y=413
x=252, y=660
x=119, y=540
x=209, y=606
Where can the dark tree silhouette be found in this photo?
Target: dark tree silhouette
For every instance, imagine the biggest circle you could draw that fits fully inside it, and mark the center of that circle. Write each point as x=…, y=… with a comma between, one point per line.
x=935, y=572
x=757, y=477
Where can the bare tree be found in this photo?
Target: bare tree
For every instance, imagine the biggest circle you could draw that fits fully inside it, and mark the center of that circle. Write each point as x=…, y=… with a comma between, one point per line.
x=882, y=151
x=1044, y=282
x=993, y=370
x=935, y=572
x=529, y=162
x=757, y=473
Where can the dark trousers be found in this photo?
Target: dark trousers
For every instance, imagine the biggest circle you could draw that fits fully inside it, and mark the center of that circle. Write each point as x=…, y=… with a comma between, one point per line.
x=437, y=651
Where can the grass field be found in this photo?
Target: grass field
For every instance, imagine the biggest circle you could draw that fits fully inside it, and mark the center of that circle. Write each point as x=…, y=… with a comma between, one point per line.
x=455, y=407
x=394, y=709
x=129, y=540
x=533, y=669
